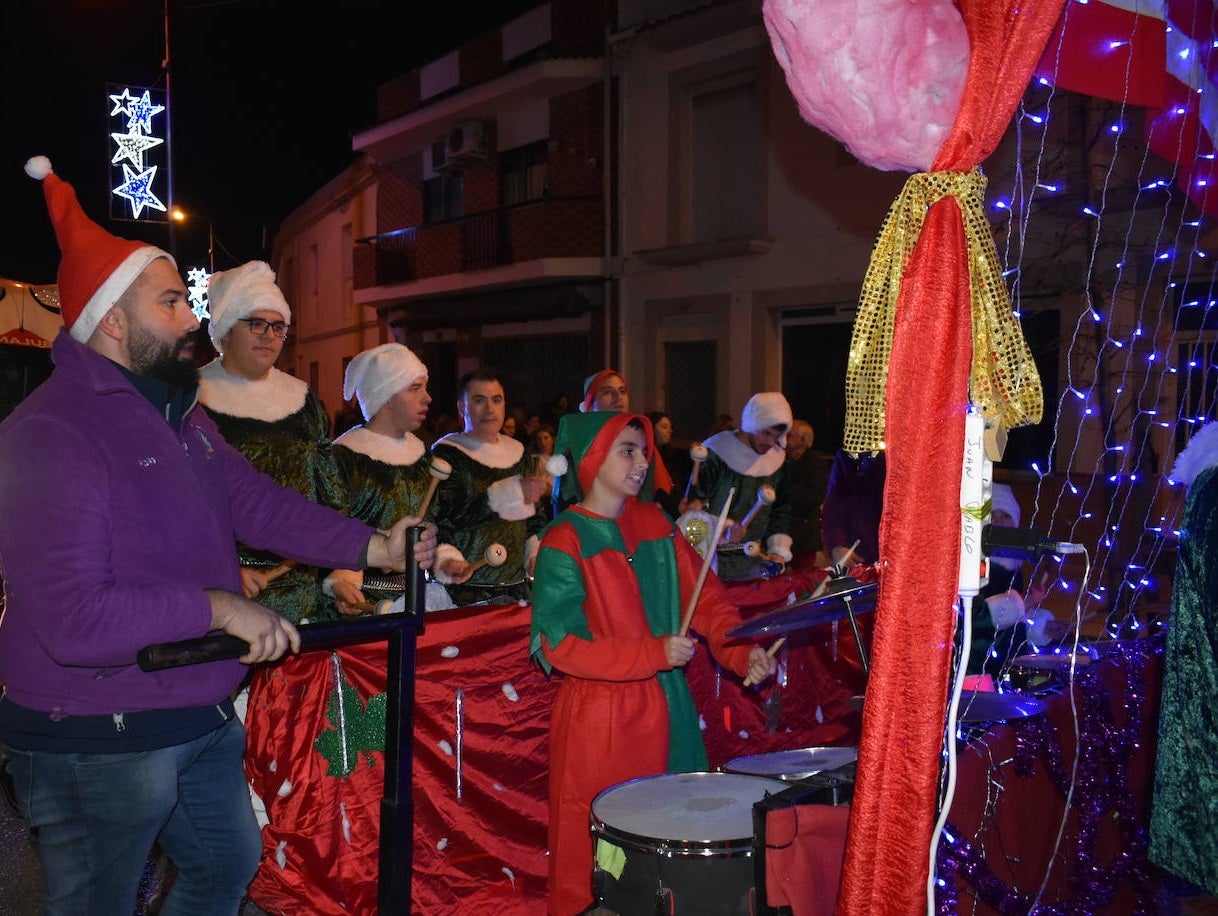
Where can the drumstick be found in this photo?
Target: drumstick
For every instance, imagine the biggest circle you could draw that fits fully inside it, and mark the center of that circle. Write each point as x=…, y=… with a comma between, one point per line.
x=697, y=454
x=816, y=593
x=848, y=554
x=765, y=496
x=276, y=571
x=384, y=606
x=439, y=469
x=494, y=555
x=706, y=562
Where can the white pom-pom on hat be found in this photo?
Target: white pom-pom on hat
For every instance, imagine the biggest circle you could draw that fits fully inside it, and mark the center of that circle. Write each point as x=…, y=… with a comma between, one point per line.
x=557, y=465
x=38, y=167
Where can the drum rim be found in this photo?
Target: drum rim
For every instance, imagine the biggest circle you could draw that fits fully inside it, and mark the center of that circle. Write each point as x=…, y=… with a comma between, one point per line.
x=669, y=847
x=791, y=776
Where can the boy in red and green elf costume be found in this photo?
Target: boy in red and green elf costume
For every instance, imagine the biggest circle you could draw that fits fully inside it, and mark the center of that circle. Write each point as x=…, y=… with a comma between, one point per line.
x=613, y=579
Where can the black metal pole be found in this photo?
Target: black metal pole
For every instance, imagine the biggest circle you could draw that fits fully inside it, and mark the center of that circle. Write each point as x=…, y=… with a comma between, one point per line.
x=397, y=805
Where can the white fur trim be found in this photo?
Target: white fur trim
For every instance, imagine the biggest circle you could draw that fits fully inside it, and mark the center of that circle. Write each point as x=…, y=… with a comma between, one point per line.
x=557, y=465
x=395, y=452
x=506, y=499
x=741, y=458
x=780, y=546
x=267, y=399
x=354, y=576
x=445, y=552
x=1200, y=453
x=502, y=454
x=112, y=288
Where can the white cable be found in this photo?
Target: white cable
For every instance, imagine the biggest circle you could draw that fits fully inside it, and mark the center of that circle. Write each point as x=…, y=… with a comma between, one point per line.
x=949, y=737
x=1078, y=749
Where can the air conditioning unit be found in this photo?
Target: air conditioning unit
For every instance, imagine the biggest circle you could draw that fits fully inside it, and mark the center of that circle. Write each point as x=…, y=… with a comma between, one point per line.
x=467, y=140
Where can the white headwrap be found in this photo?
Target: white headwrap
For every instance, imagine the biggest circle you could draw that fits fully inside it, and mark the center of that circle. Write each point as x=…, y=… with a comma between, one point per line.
x=766, y=409
x=376, y=375
x=1004, y=498
x=238, y=293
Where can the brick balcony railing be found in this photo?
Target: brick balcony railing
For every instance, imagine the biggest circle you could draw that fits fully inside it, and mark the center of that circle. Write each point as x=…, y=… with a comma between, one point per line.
x=569, y=227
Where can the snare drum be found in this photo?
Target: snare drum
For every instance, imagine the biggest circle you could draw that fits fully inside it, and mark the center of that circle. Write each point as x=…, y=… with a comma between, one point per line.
x=687, y=842
x=795, y=765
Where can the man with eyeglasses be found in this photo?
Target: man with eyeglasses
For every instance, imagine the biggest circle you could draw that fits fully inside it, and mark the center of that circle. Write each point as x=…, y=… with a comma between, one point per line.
x=120, y=503
x=272, y=418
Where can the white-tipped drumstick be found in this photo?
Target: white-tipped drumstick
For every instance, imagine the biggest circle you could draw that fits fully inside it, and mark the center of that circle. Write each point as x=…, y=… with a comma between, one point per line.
x=494, y=555
x=765, y=497
x=706, y=562
x=697, y=454
x=439, y=469
x=820, y=590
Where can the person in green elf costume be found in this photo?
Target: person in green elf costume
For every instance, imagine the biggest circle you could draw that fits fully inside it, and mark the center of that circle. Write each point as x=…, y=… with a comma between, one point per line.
x=613, y=581
x=1184, y=814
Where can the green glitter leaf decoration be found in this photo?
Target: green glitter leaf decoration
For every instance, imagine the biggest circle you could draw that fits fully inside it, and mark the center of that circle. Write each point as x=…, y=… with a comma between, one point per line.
x=364, y=731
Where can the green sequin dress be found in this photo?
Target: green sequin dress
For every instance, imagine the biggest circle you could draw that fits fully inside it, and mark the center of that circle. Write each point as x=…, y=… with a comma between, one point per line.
x=283, y=429
x=480, y=505
x=1184, y=814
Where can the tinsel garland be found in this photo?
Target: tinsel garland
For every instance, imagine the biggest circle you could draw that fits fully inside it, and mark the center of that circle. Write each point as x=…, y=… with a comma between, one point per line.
x=1100, y=794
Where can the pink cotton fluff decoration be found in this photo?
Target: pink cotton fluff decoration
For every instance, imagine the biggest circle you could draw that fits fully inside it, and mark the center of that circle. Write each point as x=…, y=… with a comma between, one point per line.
x=885, y=77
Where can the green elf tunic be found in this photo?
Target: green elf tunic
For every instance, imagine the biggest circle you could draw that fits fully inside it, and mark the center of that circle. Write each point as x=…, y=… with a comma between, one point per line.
x=732, y=463
x=607, y=592
x=1184, y=813
x=480, y=504
x=283, y=429
x=384, y=478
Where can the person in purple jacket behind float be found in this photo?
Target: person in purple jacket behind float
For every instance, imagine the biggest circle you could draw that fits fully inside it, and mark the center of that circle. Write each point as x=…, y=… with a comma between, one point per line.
x=120, y=505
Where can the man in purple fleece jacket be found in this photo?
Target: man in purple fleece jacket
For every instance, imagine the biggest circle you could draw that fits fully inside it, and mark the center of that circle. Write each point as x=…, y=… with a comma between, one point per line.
x=120, y=505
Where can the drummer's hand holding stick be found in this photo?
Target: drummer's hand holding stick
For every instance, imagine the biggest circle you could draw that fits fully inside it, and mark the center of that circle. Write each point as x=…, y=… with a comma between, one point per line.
x=842, y=563
x=765, y=497
x=762, y=664
x=254, y=581
x=777, y=644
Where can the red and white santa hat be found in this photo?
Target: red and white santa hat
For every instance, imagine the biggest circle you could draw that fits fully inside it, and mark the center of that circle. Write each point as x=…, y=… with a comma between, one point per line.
x=95, y=267
x=591, y=384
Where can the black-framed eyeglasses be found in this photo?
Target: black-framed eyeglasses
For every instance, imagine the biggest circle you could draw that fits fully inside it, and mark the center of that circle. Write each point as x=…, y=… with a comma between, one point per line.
x=260, y=326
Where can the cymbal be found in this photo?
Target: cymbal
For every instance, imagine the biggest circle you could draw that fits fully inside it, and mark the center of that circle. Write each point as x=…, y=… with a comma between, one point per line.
x=836, y=603
x=985, y=706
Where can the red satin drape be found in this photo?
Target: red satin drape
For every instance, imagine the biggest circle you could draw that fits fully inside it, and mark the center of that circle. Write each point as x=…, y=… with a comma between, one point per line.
x=895, y=801
x=483, y=851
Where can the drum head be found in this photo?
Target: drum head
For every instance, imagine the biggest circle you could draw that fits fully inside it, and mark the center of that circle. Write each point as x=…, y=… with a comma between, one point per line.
x=796, y=764
x=681, y=809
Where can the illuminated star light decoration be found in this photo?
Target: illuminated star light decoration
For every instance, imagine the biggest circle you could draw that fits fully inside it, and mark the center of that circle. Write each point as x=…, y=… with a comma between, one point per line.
x=130, y=146
x=196, y=280
x=138, y=189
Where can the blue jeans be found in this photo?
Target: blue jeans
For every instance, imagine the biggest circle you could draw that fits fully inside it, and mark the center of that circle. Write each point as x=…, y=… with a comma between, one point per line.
x=95, y=818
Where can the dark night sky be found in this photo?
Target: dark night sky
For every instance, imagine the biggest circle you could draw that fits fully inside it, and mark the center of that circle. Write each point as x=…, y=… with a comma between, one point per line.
x=265, y=95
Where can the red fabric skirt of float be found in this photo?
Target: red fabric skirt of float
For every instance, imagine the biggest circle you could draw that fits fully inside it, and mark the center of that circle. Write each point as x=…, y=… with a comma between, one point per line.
x=482, y=711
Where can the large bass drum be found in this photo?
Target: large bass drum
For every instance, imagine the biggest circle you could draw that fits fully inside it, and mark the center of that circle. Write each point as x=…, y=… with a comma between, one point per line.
x=680, y=843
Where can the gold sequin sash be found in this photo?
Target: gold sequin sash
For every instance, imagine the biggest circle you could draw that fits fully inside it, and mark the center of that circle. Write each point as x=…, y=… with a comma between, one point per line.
x=1003, y=382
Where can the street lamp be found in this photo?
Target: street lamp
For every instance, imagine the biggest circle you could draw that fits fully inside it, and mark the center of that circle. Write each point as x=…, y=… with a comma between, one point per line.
x=178, y=215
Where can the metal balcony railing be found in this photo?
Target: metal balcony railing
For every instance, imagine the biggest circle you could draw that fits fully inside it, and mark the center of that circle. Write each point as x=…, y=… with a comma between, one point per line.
x=554, y=227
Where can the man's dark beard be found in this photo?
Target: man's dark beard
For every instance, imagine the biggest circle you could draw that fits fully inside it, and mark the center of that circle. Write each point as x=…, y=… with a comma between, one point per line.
x=150, y=358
